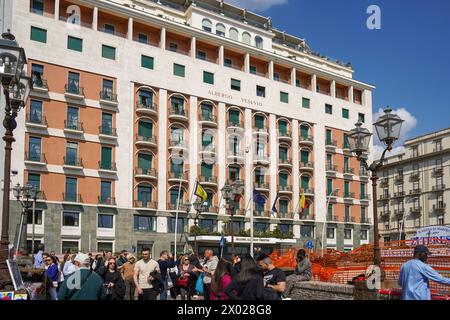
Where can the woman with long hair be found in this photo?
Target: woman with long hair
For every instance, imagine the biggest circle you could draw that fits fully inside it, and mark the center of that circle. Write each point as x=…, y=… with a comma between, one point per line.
x=248, y=284
x=221, y=279
x=185, y=281
x=52, y=276
x=114, y=284
x=100, y=266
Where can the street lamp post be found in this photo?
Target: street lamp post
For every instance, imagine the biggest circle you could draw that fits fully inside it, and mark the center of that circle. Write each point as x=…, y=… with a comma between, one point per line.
x=231, y=193
x=26, y=196
x=15, y=89
x=199, y=208
x=388, y=128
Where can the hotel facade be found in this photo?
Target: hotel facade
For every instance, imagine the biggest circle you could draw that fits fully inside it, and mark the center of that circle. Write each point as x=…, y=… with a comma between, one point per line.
x=414, y=187
x=133, y=99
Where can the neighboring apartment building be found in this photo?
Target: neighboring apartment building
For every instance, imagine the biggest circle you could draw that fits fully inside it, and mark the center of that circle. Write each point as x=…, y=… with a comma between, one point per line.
x=134, y=99
x=414, y=187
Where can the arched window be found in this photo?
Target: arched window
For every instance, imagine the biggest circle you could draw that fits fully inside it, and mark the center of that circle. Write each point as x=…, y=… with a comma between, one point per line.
x=207, y=25
x=258, y=42
x=234, y=34
x=246, y=38
x=220, y=30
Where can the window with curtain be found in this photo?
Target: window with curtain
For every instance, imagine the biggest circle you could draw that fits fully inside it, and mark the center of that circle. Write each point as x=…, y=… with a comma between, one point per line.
x=207, y=25
x=177, y=105
x=35, y=111
x=71, y=153
x=34, y=148
x=74, y=82
x=37, y=72
x=177, y=135
x=144, y=194
x=108, y=89
x=72, y=118
x=146, y=98
x=107, y=120
x=105, y=191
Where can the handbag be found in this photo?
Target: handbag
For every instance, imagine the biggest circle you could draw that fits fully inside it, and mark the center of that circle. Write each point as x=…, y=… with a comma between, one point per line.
x=199, y=284
x=183, y=282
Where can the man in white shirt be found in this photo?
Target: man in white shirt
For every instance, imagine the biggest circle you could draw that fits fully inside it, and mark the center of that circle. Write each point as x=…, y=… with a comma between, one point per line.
x=69, y=266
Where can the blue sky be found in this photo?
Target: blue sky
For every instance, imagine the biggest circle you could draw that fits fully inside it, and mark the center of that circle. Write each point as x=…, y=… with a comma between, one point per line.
x=408, y=60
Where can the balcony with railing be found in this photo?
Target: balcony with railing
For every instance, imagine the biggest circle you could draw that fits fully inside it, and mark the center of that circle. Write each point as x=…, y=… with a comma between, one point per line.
x=307, y=216
x=285, y=162
x=331, y=168
x=415, y=192
x=385, y=196
x=348, y=219
x=147, y=107
x=208, y=149
x=438, y=171
x=146, y=141
x=262, y=214
x=398, y=179
x=384, y=182
x=108, y=98
x=365, y=220
x=307, y=166
x=329, y=143
x=107, y=167
x=178, y=176
x=385, y=214
x=153, y=205
x=35, y=158
x=260, y=131
x=399, y=194
x=262, y=159
x=235, y=155
x=74, y=91
x=72, y=198
x=306, y=140
x=285, y=135
x=285, y=189
x=107, y=201
x=332, y=218
x=349, y=171
x=363, y=173
x=415, y=176
x=439, y=187
x=107, y=132
x=309, y=192
x=208, y=180
x=73, y=127
x=399, y=213
x=207, y=119
x=439, y=207
x=285, y=215
x=262, y=186
x=39, y=84
x=416, y=210
x=364, y=197
x=349, y=196
x=179, y=114
x=145, y=173
x=73, y=163
x=235, y=124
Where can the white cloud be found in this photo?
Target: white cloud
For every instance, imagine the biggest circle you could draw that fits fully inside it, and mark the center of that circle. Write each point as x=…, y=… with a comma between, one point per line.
x=410, y=122
x=257, y=5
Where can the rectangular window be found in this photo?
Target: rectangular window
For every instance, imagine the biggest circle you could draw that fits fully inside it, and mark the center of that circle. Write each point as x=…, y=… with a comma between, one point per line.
x=72, y=118
x=173, y=47
x=208, y=77
x=228, y=63
x=329, y=185
x=37, y=73
x=38, y=34
x=147, y=62
x=34, y=149
x=75, y=44
x=261, y=91
x=34, y=180
x=201, y=55
x=261, y=226
x=37, y=217
x=104, y=246
x=361, y=117
x=330, y=233
x=346, y=141
x=305, y=182
x=283, y=179
x=346, y=189
x=284, y=97
x=145, y=129
x=306, y=103
x=145, y=161
x=307, y=231
x=35, y=112
x=73, y=85
x=345, y=113
x=105, y=192
x=282, y=126
x=109, y=28
x=252, y=69
x=70, y=246
x=182, y=225
x=108, y=52
x=276, y=76
x=71, y=153
x=71, y=189
x=106, y=158
x=235, y=85
x=144, y=194
x=363, y=234
x=304, y=156
x=304, y=131
x=178, y=70
x=105, y=221
x=328, y=136
x=286, y=228
x=347, y=234
x=347, y=213
x=107, y=123
x=259, y=122
x=71, y=219
x=208, y=224
x=206, y=170
x=328, y=109
x=37, y=6
x=142, y=38
x=144, y=223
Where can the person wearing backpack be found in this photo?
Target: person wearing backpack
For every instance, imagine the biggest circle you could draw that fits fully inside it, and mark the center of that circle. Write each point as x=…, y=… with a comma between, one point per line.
x=83, y=284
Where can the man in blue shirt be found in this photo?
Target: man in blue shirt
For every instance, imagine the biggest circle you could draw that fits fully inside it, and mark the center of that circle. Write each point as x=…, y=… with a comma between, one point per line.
x=415, y=275
x=38, y=260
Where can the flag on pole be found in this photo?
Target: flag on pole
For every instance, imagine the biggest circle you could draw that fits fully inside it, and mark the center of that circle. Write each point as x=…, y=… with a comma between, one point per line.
x=200, y=192
x=259, y=199
x=274, y=206
x=302, y=202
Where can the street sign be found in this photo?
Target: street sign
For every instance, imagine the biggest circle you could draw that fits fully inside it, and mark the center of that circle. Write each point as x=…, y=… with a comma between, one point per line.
x=309, y=244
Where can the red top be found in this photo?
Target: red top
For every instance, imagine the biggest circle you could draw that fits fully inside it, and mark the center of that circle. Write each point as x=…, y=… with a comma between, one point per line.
x=224, y=283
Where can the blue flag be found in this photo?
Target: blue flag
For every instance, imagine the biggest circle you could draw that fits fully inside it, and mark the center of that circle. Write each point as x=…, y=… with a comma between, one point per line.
x=274, y=206
x=259, y=199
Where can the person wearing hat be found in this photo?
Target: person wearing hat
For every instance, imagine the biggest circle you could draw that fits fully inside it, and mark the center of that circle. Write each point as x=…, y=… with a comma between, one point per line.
x=416, y=274
x=83, y=284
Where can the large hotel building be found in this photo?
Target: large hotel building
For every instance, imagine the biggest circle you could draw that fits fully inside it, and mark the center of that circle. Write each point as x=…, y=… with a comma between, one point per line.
x=134, y=98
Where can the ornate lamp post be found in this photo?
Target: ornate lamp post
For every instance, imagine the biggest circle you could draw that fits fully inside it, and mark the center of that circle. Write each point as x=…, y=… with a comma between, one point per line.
x=16, y=88
x=388, y=128
x=232, y=193
x=199, y=208
x=24, y=196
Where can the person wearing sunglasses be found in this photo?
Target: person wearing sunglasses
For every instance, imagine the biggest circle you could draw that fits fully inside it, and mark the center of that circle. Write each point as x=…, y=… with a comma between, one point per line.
x=114, y=284
x=186, y=278
x=52, y=276
x=127, y=272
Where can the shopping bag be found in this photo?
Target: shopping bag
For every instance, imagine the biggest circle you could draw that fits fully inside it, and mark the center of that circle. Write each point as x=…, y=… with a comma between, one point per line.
x=199, y=284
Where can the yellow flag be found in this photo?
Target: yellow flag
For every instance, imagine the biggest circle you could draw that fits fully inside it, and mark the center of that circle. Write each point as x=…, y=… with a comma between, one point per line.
x=302, y=201
x=200, y=192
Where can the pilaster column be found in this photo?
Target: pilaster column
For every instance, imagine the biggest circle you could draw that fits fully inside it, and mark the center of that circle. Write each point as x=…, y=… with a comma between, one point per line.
x=314, y=83
x=350, y=94
x=271, y=68
x=57, y=10
x=221, y=56
x=319, y=181
x=193, y=47
x=247, y=63
x=163, y=38
x=273, y=170
x=248, y=146
x=193, y=144
x=130, y=29
x=221, y=152
x=333, y=89
x=296, y=166
x=294, y=77
x=162, y=150
x=95, y=19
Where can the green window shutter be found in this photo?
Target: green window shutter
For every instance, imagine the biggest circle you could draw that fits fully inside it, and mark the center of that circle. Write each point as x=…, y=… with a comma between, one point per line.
x=75, y=44
x=329, y=186
x=206, y=111
x=304, y=131
x=328, y=136
x=304, y=155
x=305, y=182
x=144, y=161
x=235, y=84
x=108, y=52
x=284, y=97
x=106, y=157
x=346, y=188
x=207, y=139
x=147, y=62
x=283, y=153
x=178, y=70
x=345, y=113
x=305, y=103
x=362, y=189
x=234, y=116
x=206, y=170
x=38, y=34
x=283, y=179
x=208, y=77
x=144, y=194
x=259, y=122
x=282, y=127
x=284, y=206
x=145, y=129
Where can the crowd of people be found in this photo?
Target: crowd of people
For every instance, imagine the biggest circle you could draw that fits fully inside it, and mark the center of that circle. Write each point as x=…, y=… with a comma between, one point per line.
x=106, y=277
